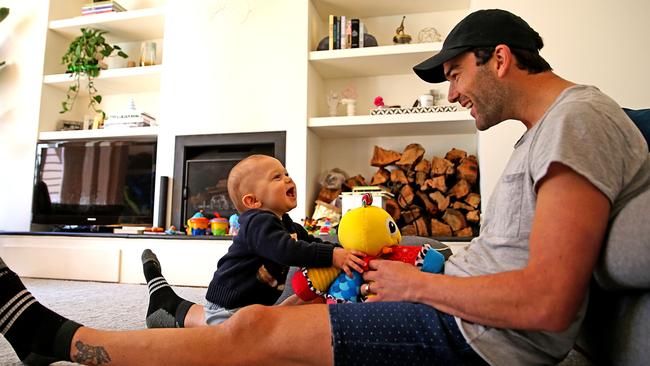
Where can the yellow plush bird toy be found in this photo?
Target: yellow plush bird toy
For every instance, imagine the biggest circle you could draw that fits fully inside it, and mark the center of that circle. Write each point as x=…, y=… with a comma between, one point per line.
x=371, y=230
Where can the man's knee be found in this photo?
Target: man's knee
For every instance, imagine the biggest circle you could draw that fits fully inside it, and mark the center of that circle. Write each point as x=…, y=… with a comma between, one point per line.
x=249, y=319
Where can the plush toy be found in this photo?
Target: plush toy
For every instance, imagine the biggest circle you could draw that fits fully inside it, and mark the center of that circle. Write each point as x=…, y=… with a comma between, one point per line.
x=371, y=230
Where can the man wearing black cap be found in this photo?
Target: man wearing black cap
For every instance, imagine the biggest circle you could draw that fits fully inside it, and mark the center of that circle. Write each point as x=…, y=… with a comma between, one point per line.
x=516, y=296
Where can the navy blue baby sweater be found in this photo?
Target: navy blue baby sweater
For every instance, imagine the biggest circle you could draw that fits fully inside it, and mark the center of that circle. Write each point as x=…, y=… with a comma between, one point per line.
x=255, y=268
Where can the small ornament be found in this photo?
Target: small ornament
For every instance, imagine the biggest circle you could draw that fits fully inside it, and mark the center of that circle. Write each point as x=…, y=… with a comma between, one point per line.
x=366, y=200
x=379, y=102
x=401, y=37
x=429, y=34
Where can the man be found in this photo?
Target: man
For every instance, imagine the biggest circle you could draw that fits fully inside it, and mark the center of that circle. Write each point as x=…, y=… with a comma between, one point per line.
x=517, y=295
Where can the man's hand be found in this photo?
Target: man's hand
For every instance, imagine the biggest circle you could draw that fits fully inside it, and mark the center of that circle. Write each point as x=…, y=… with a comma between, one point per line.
x=392, y=280
x=348, y=260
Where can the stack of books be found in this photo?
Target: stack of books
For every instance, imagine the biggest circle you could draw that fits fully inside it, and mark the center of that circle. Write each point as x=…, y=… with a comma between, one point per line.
x=130, y=117
x=345, y=33
x=99, y=7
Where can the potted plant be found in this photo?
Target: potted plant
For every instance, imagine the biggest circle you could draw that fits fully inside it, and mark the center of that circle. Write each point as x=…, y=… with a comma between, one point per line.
x=83, y=60
x=3, y=14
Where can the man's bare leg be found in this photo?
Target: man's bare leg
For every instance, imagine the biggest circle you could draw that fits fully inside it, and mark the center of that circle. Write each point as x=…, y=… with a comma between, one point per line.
x=195, y=317
x=255, y=335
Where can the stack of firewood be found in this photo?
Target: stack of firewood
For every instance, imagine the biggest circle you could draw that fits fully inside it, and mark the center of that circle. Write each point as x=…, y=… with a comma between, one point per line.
x=437, y=197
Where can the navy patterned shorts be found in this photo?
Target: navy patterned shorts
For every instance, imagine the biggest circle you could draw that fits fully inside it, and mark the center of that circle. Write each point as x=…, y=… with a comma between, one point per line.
x=397, y=333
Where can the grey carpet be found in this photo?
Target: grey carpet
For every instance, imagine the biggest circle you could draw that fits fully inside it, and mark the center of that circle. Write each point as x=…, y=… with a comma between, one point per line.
x=118, y=306
x=95, y=304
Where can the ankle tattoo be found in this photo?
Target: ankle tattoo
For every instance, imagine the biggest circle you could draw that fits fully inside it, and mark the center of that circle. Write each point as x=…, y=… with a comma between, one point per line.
x=91, y=355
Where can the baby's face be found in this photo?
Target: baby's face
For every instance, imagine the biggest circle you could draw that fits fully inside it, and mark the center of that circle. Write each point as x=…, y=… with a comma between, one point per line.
x=275, y=189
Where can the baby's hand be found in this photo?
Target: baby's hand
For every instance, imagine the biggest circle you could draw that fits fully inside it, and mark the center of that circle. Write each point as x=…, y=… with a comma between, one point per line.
x=348, y=260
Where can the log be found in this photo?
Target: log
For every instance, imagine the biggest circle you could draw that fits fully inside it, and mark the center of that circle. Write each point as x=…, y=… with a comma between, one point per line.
x=468, y=170
x=473, y=216
x=440, y=199
x=328, y=195
x=460, y=189
x=465, y=232
x=412, y=214
x=411, y=156
x=410, y=176
x=420, y=178
x=421, y=228
x=473, y=199
x=455, y=219
x=397, y=176
x=458, y=205
x=423, y=166
x=393, y=209
x=455, y=155
x=405, y=197
x=382, y=157
x=409, y=230
x=431, y=207
x=356, y=181
x=437, y=183
x=381, y=176
x=439, y=229
x=440, y=166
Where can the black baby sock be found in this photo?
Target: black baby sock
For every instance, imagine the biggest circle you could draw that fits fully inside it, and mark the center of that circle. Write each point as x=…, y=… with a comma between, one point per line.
x=166, y=309
x=38, y=335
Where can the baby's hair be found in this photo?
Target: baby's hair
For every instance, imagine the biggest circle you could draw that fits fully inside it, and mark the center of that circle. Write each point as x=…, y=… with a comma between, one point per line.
x=239, y=180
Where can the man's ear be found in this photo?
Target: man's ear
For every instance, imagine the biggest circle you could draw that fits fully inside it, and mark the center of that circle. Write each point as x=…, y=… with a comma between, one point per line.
x=250, y=201
x=504, y=59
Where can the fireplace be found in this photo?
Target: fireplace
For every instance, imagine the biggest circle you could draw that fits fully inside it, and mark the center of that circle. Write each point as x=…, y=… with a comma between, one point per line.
x=202, y=164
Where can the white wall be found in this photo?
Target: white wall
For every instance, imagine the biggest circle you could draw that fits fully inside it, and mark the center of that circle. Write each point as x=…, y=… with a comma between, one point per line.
x=603, y=43
x=22, y=46
x=236, y=66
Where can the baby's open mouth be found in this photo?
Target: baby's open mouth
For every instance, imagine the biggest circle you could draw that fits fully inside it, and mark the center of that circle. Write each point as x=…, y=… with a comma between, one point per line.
x=291, y=192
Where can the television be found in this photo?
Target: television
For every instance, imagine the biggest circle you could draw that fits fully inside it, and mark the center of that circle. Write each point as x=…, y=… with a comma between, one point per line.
x=99, y=182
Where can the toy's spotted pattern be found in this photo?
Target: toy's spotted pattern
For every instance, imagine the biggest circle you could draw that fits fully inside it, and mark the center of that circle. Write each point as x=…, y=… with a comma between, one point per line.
x=392, y=333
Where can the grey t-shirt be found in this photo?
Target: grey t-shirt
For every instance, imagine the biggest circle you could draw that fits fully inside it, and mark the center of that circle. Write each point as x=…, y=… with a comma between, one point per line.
x=588, y=132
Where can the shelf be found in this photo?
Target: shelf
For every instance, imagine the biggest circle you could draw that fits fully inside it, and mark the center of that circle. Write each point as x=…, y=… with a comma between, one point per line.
x=132, y=25
x=115, y=81
x=372, y=61
x=446, y=123
x=374, y=8
x=109, y=133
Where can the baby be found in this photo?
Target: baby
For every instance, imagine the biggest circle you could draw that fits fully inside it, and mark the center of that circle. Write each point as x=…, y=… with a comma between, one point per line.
x=255, y=268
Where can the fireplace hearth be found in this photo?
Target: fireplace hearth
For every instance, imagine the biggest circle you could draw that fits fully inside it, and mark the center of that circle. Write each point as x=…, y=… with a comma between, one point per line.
x=202, y=164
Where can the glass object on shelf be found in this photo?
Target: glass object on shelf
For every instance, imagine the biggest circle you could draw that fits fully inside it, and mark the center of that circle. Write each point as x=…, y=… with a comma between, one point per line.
x=333, y=99
x=429, y=34
x=148, y=53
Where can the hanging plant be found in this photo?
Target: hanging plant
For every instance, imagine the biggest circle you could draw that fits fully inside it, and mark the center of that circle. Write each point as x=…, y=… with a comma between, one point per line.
x=83, y=60
x=3, y=14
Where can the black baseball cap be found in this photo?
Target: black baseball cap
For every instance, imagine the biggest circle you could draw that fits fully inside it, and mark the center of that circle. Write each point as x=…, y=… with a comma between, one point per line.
x=482, y=28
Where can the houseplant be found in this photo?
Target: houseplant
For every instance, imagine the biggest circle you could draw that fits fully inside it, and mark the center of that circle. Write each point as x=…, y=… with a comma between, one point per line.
x=3, y=14
x=83, y=60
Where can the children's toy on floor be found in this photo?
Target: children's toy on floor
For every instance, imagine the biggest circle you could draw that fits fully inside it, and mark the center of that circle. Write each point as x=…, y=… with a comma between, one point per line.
x=198, y=224
x=369, y=229
x=234, y=225
x=219, y=225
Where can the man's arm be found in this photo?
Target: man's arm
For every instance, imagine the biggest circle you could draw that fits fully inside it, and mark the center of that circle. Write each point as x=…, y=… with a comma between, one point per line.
x=570, y=221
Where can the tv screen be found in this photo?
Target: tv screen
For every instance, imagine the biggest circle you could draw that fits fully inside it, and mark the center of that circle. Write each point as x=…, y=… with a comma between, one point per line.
x=94, y=183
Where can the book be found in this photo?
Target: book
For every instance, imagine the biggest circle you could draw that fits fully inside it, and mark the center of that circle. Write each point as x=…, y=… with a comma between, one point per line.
x=343, y=34
x=129, y=230
x=331, y=32
x=348, y=33
x=354, y=33
x=361, y=34
x=335, y=33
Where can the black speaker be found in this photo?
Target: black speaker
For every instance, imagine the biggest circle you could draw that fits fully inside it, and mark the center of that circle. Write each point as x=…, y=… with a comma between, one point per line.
x=162, y=201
